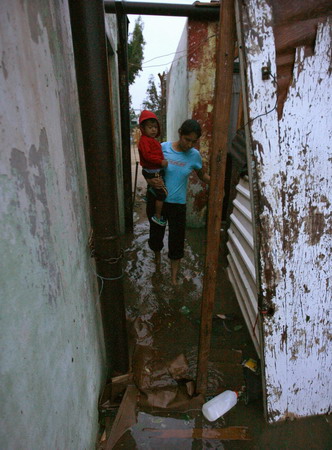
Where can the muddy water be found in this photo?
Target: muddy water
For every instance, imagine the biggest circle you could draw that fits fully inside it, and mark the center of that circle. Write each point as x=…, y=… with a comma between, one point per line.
x=159, y=315
x=163, y=325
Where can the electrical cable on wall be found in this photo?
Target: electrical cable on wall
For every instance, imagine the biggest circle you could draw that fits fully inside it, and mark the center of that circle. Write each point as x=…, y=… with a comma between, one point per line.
x=267, y=112
x=177, y=59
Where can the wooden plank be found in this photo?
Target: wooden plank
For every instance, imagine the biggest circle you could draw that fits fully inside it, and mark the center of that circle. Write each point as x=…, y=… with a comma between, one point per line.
x=291, y=160
x=113, y=390
x=123, y=379
x=221, y=113
x=125, y=418
x=239, y=123
x=227, y=434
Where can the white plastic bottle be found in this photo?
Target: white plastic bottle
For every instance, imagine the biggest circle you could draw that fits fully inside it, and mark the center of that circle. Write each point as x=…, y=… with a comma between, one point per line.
x=219, y=405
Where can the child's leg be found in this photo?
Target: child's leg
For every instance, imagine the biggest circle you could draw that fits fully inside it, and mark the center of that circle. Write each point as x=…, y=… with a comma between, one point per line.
x=160, y=192
x=157, y=261
x=158, y=208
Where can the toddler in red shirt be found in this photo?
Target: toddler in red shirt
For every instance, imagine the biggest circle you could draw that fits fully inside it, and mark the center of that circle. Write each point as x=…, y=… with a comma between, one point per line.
x=152, y=160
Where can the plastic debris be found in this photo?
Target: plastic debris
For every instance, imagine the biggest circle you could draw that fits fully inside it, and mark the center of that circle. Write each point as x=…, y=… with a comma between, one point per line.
x=226, y=316
x=250, y=364
x=184, y=310
x=219, y=405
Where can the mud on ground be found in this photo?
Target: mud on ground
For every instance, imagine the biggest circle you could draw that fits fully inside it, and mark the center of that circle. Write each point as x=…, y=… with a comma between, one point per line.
x=163, y=326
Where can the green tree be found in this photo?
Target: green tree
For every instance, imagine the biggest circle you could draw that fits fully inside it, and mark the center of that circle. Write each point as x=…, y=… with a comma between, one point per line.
x=155, y=100
x=153, y=97
x=136, y=45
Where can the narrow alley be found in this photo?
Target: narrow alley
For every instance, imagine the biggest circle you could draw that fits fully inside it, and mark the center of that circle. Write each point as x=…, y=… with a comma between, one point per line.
x=163, y=325
x=98, y=349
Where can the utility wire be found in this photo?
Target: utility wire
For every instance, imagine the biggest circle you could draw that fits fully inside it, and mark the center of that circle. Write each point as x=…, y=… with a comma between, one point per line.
x=267, y=112
x=174, y=53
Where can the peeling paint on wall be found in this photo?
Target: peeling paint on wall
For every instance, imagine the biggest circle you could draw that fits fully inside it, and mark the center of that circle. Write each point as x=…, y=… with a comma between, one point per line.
x=51, y=335
x=190, y=94
x=294, y=25
x=201, y=62
x=292, y=165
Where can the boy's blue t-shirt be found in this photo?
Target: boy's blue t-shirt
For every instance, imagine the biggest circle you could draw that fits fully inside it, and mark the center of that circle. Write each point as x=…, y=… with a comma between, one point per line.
x=180, y=166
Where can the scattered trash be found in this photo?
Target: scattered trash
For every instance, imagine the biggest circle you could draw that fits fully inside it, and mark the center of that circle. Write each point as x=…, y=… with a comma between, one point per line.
x=184, y=310
x=225, y=434
x=219, y=405
x=250, y=364
x=150, y=429
x=252, y=378
x=226, y=316
x=185, y=417
x=178, y=368
x=157, y=420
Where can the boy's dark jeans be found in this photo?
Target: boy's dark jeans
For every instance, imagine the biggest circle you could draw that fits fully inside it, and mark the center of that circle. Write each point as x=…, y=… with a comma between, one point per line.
x=160, y=193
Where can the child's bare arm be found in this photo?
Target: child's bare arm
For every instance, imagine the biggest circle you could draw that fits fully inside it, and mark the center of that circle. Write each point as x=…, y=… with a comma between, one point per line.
x=156, y=183
x=164, y=163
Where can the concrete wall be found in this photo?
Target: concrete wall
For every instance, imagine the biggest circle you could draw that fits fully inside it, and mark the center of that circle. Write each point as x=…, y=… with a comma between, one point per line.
x=51, y=340
x=190, y=94
x=177, y=89
x=201, y=72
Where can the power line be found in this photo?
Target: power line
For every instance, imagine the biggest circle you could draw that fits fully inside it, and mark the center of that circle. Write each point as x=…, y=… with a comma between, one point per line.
x=174, y=53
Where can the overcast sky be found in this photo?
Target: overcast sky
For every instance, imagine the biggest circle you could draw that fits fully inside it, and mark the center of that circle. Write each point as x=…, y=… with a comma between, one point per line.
x=162, y=35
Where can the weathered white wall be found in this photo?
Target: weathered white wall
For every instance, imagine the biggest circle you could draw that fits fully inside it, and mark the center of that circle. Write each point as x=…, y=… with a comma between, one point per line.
x=51, y=341
x=177, y=89
x=292, y=161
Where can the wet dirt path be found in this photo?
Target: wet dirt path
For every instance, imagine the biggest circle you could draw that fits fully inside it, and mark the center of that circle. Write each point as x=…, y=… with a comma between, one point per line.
x=163, y=327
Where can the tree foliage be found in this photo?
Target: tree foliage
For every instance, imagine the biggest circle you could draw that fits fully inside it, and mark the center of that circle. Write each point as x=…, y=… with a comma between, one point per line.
x=153, y=98
x=136, y=45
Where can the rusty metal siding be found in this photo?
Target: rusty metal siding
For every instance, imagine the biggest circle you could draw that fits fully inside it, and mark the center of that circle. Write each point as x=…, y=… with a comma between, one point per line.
x=241, y=269
x=290, y=168
x=201, y=63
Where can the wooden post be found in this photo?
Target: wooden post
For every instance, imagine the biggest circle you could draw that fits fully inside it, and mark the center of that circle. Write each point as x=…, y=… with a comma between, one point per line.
x=162, y=78
x=124, y=111
x=221, y=117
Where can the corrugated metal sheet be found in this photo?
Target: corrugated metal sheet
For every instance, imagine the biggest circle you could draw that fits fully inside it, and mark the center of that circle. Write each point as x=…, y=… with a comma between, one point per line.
x=241, y=269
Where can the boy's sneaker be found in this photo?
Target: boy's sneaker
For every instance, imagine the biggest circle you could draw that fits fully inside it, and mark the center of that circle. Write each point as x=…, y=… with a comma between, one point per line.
x=160, y=221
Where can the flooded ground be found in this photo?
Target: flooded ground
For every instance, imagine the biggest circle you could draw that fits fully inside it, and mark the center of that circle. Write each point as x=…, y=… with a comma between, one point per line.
x=163, y=326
